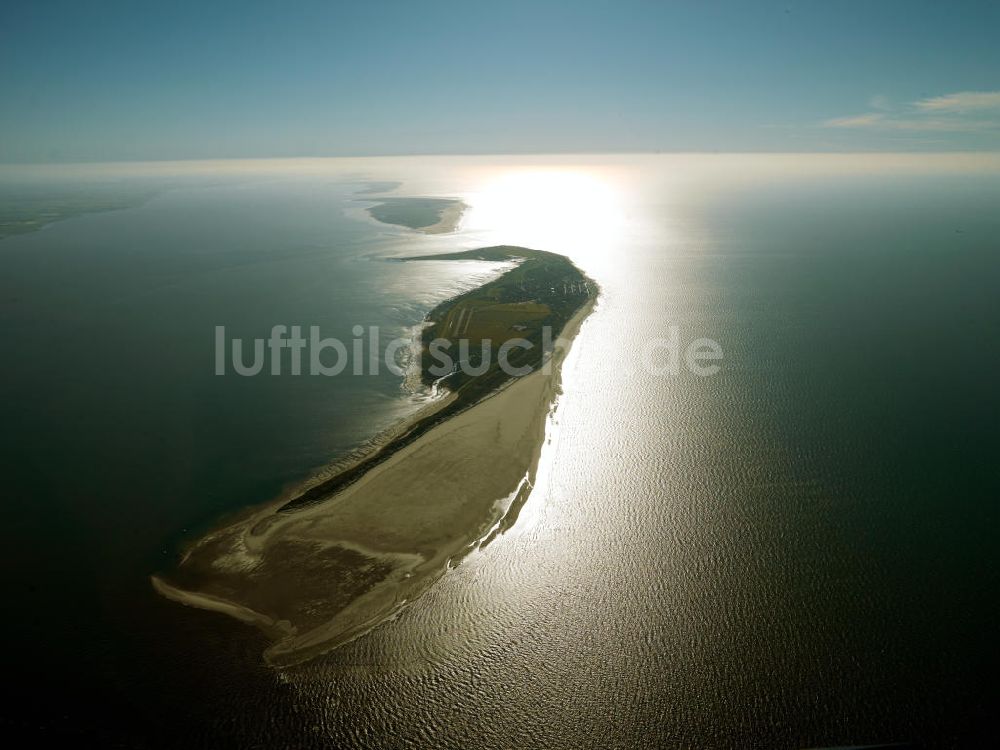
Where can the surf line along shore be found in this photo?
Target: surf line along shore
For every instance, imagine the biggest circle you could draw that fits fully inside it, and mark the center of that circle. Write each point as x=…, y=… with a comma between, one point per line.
x=319, y=567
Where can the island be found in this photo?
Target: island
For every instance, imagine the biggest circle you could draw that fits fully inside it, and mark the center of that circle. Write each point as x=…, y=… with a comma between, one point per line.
x=324, y=564
x=28, y=207
x=427, y=215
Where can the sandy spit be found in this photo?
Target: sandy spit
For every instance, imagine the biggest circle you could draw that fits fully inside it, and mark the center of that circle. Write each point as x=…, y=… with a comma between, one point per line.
x=321, y=576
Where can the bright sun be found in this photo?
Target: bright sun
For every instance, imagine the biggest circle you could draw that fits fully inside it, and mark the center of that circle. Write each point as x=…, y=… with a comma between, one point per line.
x=571, y=211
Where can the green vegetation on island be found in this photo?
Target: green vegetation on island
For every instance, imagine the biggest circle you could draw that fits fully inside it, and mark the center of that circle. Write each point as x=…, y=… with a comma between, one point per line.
x=540, y=294
x=431, y=215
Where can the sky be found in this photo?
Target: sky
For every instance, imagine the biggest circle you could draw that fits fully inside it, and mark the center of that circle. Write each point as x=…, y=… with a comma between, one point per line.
x=118, y=81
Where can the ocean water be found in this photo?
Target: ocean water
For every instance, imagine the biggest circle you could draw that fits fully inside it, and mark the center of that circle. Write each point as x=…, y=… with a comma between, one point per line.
x=796, y=552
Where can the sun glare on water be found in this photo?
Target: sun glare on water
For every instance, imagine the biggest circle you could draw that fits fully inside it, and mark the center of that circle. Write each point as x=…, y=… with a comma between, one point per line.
x=571, y=211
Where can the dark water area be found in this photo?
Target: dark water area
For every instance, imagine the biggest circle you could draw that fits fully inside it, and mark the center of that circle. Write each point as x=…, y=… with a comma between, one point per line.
x=120, y=441
x=797, y=552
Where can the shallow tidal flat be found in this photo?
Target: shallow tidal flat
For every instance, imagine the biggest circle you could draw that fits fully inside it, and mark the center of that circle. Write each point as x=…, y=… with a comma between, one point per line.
x=317, y=568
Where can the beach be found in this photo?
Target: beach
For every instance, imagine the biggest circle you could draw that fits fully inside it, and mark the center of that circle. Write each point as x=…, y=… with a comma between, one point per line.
x=450, y=218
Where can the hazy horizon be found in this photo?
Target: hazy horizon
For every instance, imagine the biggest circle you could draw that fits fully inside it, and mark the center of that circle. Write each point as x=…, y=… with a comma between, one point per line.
x=865, y=160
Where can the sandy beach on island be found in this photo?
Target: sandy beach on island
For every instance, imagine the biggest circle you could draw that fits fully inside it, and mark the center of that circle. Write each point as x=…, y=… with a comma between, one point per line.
x=319, y=576
x=449, y=221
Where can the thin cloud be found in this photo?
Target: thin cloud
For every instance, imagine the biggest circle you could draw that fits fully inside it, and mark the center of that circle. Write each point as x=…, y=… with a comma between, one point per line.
x=961, y=112
x=872, y=119
x=963, y=101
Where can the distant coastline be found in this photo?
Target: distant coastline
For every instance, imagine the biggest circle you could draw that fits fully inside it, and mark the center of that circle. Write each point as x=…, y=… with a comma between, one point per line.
x=29, y=208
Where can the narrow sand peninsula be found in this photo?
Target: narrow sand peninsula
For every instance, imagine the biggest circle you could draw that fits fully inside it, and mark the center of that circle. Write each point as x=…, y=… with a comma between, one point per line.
x=322, y=575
